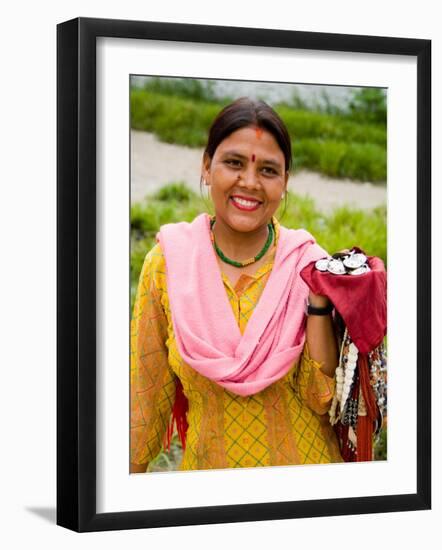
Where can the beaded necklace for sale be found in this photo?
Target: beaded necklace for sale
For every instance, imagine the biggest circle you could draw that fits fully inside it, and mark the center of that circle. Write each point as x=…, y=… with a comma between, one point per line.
x=348, y=402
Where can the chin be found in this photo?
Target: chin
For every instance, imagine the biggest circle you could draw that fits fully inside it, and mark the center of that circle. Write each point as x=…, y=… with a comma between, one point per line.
x=245, y=225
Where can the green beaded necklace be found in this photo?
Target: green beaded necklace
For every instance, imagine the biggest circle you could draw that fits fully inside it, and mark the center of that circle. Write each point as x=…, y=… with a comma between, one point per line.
x=246, y=262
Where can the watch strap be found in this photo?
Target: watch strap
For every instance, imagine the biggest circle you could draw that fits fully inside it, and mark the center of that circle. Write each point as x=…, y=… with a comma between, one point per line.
x=312, y=310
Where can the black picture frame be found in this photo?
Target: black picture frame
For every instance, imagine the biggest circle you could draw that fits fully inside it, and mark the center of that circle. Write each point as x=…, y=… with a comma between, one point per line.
x=76, y=274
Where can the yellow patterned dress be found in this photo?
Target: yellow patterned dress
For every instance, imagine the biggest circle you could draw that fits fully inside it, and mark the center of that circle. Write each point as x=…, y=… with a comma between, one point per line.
x=286, y=423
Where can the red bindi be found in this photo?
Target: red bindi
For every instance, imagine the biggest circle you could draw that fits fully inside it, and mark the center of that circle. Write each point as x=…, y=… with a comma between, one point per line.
x=253, y=158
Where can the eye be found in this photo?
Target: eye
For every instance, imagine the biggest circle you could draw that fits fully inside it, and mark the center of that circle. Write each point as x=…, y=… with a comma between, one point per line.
x=235, y=163
x=268, y=171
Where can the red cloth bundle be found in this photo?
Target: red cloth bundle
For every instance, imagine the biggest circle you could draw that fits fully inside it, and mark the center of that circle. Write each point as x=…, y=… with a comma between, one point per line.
x=361, y=300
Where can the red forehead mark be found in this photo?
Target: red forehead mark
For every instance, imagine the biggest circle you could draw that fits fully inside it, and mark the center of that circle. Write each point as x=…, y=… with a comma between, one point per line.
x=258, y=132
x=253, y=158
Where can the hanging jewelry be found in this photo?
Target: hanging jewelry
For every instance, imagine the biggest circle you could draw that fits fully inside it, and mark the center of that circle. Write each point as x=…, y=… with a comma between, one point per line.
x=345, y=373
x=350, y=367
x=348, y=403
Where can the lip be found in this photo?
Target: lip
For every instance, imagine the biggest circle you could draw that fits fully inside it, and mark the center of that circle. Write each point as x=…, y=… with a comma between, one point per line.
x=241, y=206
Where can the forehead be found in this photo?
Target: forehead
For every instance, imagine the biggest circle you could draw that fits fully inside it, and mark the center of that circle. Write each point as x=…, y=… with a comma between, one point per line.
x=250, y=140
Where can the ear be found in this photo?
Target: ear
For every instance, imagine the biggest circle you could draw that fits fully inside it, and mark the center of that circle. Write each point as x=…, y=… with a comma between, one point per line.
x=286, y=181
x=205, y=169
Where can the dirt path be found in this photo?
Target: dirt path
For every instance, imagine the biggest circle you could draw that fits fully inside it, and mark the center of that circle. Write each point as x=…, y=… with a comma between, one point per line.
x=154, y=164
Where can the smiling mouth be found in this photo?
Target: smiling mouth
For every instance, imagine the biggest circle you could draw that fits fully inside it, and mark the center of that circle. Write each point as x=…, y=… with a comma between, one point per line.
x=244, y=204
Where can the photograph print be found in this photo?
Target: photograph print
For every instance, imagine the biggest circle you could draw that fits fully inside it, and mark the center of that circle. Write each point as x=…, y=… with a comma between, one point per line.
x=258, y=332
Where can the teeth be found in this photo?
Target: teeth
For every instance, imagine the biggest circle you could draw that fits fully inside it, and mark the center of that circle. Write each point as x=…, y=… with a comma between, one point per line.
x=244, y=202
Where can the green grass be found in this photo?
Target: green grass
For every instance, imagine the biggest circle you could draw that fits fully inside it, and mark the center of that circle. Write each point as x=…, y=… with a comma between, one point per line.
x=187, y=88
x=338, y=159
x=364, y=105
x=343, y=228
x=380, y=446
x=167, y=461
x=334, y=144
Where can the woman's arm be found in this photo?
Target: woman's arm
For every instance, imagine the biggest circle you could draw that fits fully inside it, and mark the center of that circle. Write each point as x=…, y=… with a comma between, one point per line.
x=312, y=386
x=152, y=379
x=321, y=337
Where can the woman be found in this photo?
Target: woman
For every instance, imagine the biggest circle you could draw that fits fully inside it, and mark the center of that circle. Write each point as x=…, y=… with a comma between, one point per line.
x=253, y=388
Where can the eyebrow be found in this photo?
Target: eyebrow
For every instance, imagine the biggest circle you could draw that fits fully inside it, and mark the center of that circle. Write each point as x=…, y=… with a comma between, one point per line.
x=239, y=155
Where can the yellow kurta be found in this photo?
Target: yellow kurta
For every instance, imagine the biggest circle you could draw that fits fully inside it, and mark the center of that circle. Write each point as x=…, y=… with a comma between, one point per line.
x=286, y=423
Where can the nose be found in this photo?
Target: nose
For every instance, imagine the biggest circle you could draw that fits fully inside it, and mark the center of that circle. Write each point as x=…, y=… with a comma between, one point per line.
x=249, y=178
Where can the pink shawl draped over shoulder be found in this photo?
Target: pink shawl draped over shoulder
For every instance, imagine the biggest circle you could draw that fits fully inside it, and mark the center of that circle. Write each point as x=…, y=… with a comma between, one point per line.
x=207, y=334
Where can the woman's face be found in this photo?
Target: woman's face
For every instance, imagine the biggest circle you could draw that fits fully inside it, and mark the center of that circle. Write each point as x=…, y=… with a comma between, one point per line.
x=247, y=166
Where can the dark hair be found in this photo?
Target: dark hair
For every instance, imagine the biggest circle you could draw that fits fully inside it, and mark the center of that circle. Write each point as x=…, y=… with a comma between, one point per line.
x=247, y=112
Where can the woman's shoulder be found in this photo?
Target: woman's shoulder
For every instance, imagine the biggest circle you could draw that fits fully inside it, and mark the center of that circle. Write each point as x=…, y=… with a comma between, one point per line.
x=154, y=265
x=155, y=256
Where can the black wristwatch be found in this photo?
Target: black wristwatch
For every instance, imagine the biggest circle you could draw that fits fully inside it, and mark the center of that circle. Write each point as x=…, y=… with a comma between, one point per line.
x=312, y=310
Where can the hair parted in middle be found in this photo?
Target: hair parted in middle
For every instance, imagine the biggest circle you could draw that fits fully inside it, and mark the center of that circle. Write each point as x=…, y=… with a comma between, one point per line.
x=245, y=112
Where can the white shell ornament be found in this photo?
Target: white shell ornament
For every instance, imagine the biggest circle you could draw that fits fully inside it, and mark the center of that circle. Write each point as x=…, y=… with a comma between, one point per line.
x=336, y=267
x=355, y=260
x=360, y=270
x=321, y=265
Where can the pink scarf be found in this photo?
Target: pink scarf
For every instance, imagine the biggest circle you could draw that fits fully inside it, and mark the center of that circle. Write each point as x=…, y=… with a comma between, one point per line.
x=206, y=331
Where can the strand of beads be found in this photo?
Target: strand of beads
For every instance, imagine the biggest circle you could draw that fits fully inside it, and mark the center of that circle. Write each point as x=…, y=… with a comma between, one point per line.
x=339, y=374
x=350, y=366
x=345, y=373
x=378, y=379
x=351, y=412
x=378, y=376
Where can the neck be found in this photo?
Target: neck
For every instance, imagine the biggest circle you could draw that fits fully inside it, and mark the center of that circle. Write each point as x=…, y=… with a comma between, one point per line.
x=236, y=245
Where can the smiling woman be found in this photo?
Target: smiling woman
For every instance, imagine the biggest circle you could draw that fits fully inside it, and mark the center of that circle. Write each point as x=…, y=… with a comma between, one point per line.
x=222, y=343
